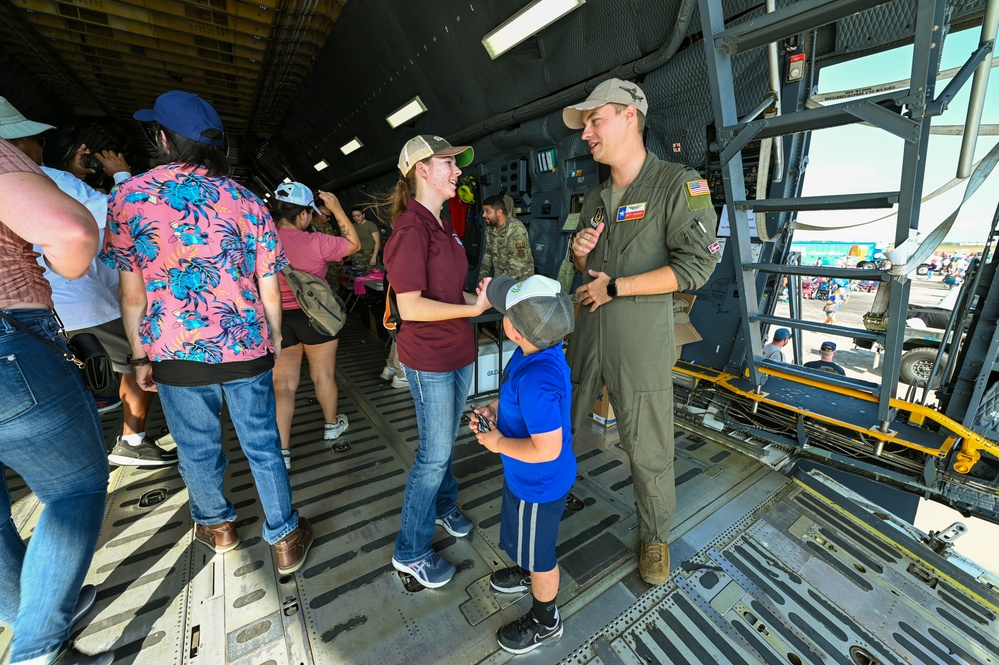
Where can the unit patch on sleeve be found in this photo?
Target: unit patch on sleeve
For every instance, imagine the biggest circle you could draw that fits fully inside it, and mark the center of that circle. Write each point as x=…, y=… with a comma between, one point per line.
x=698, y=194
x=598, y=217
x=631, y=211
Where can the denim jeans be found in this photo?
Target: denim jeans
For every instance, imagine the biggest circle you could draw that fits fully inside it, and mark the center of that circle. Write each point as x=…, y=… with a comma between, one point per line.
x=193, y=414
x=432, y=488
x=51, y=436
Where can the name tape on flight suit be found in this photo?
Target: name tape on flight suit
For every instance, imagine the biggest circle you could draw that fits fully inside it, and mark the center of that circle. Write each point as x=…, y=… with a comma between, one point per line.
x=631, y=211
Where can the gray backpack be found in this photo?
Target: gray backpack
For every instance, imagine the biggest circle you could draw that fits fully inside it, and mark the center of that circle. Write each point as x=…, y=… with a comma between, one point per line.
x=321, y=304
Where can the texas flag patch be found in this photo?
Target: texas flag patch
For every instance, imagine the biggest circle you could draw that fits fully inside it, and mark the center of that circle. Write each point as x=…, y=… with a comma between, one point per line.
x=630, y=212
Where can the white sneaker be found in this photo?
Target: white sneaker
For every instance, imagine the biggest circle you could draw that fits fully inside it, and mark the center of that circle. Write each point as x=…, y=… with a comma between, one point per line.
x=387, y=373
x=400, y=382
x=334, y=430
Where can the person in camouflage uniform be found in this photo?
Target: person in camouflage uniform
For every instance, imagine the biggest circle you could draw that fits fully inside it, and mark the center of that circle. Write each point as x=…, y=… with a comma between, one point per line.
x=508, y=249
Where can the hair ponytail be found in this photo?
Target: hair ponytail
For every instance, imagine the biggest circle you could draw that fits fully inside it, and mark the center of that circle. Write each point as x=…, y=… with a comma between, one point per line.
x=397, y=198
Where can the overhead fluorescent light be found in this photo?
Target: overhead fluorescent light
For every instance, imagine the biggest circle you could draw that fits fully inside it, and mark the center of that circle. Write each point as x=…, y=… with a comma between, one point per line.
x=406, y=112
x=528, y=21
x=286, y=180
x=351, y=146
x=320, y=165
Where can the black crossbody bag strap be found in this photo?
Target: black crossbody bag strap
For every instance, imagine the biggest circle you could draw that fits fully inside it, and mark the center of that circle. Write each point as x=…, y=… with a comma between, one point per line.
x=65, y=354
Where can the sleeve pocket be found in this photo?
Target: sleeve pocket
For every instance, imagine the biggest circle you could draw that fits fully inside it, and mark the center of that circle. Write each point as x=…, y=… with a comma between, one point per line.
x=16, y=397
x=654, y=297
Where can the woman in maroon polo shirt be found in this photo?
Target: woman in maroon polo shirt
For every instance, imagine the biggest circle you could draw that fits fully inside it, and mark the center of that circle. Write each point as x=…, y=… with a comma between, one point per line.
x=427, y=267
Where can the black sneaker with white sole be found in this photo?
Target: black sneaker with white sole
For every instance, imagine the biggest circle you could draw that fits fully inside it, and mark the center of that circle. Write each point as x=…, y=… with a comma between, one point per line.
x=526, y=634
x=510, y=580
x=146, y=453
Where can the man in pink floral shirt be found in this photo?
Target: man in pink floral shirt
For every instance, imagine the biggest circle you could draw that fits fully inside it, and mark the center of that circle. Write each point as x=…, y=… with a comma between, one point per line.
x=198, y=259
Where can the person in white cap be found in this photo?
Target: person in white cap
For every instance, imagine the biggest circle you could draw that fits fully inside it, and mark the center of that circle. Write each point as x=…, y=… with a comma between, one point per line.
x=426, y=269
x=645, y=233
x=50, y=433
x=529, y=426
x=90, y=304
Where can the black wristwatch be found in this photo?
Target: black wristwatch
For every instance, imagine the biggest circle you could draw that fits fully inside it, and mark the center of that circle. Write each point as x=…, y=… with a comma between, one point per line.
x=137, y=362
x=612, y=288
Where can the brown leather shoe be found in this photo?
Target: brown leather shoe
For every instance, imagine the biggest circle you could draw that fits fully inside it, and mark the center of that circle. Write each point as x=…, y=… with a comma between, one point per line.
x=653, y=562
x=290, y=551
x=220, y=537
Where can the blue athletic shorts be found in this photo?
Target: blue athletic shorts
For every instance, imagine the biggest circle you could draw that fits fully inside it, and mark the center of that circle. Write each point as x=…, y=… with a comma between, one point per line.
x=529, y=531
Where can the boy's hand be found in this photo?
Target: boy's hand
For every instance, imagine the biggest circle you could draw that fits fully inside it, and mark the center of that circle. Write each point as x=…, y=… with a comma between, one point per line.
x=490, y=440
x=487, y=413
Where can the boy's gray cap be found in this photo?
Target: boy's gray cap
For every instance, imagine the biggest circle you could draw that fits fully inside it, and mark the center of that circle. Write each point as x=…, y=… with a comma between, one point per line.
x=537, y=307
x=611, y=91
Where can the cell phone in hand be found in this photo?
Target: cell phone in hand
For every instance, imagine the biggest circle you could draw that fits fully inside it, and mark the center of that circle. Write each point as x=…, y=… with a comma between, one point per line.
x=482, y=424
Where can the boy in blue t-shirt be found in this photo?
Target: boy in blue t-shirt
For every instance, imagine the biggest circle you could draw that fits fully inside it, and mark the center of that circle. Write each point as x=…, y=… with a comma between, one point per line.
x=529, y=426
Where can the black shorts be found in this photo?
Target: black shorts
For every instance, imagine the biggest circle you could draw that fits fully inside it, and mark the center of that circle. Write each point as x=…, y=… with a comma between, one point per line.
x=296, y=329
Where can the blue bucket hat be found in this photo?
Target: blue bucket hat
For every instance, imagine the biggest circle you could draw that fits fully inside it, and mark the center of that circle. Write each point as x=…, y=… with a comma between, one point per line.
x=185, y=114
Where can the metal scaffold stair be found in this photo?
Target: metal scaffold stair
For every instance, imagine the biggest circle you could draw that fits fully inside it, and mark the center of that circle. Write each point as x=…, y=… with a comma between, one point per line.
x=903, y=113
x=974, y=396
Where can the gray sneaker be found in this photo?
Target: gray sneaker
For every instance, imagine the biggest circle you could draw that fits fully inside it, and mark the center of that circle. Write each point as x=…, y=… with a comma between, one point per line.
x=146, y=453
x=431, y=571
x=456, y=524
x=334, y=430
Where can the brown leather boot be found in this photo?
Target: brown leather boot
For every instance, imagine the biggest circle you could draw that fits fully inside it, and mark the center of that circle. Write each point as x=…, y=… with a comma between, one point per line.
x=290, y=551
x=653, y=562
x=220, y=537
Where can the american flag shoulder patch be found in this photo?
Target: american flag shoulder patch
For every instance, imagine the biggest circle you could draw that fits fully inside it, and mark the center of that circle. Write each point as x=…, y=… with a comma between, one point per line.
x=698, y=187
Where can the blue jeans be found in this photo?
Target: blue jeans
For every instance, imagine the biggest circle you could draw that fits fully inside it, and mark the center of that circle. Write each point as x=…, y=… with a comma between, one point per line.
x=51, y=436
x=432, y=488
x=193, y=414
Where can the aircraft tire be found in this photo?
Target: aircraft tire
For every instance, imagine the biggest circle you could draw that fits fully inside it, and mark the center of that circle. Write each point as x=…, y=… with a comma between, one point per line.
x=917, y=363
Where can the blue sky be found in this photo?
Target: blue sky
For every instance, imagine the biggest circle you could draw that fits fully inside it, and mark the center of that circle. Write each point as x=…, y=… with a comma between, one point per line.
x=856, y=158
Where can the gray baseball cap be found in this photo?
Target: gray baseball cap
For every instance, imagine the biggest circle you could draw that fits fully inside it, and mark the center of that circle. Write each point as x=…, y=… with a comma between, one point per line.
x=611, y=91
x=537, y=307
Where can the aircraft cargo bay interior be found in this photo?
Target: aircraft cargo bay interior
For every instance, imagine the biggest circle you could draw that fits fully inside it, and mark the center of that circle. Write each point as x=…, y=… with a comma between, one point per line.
x=463, y=291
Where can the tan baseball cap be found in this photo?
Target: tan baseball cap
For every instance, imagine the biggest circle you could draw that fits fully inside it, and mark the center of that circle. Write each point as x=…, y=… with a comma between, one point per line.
x=611, y=91
x=420, y=147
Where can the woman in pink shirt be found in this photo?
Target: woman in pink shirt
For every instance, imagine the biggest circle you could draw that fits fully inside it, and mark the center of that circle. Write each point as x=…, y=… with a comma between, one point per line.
x=308, y=252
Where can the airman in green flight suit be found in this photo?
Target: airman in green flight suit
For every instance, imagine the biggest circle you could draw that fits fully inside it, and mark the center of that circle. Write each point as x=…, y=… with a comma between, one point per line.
x=645, y=233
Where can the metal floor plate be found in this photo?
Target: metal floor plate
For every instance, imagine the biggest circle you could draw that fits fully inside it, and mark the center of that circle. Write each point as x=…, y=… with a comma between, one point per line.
x=164, y=598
